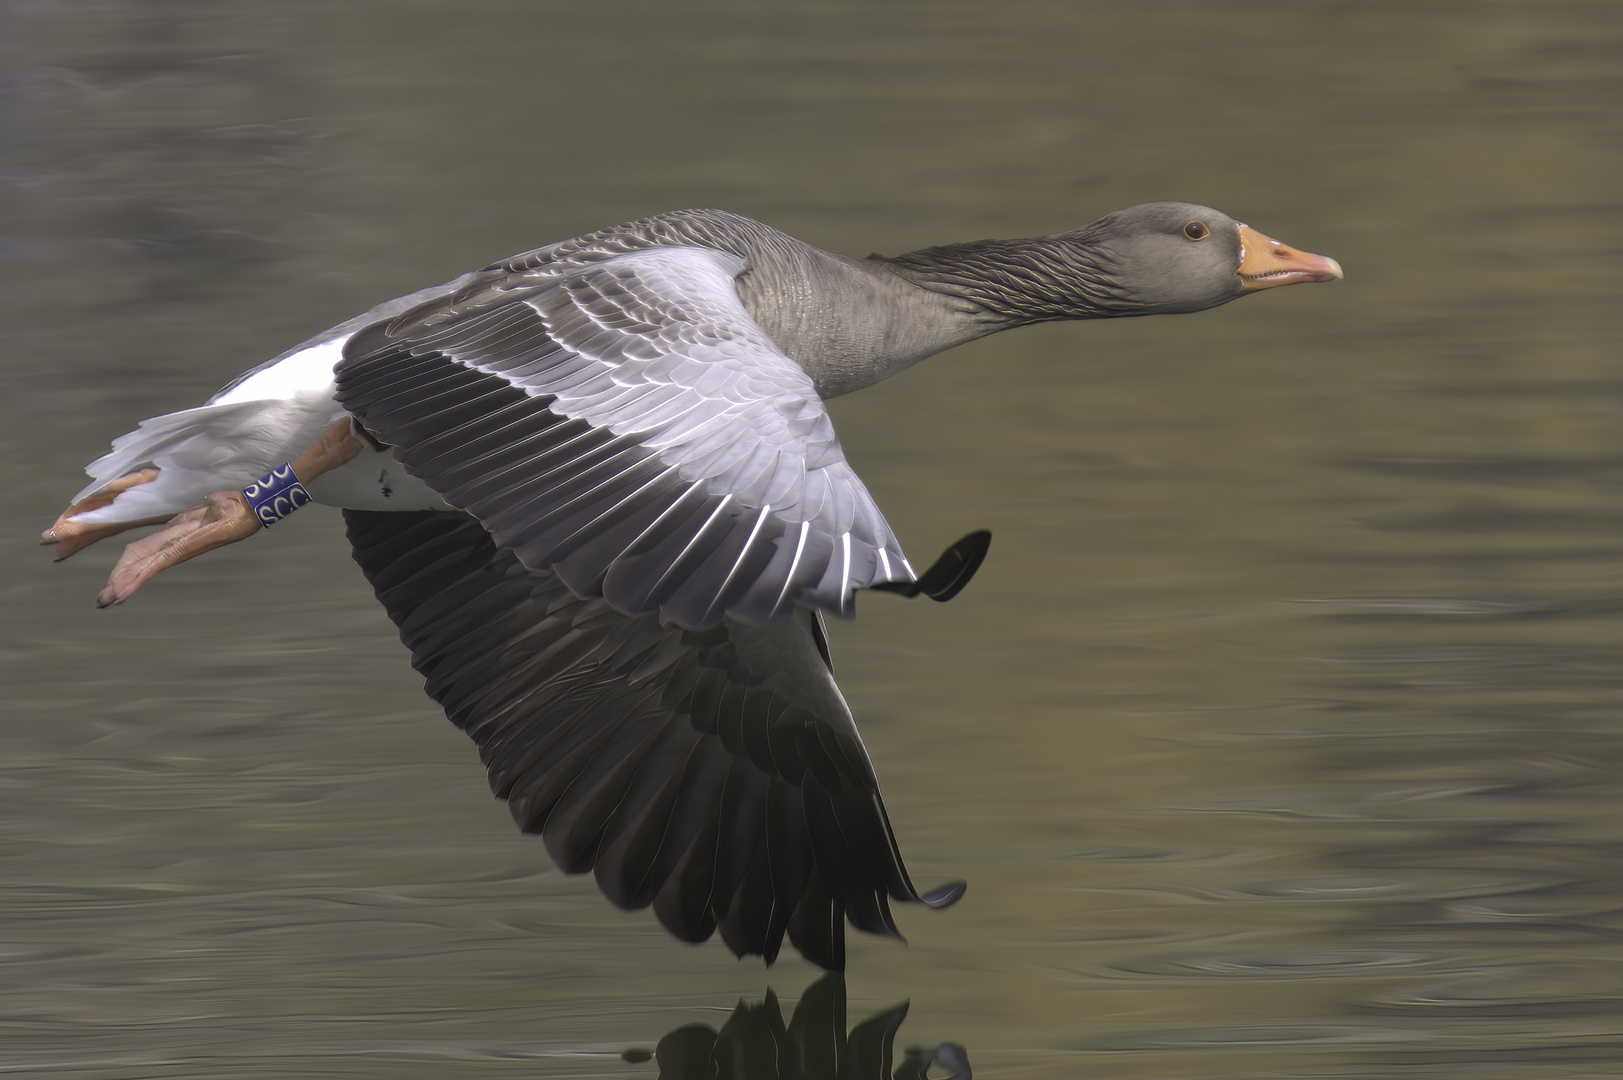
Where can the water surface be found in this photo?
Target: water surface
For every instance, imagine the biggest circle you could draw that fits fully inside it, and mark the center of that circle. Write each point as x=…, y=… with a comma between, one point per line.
x=1278, y=737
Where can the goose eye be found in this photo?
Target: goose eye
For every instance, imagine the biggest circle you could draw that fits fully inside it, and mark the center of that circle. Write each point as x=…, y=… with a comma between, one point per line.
x=1196, y=230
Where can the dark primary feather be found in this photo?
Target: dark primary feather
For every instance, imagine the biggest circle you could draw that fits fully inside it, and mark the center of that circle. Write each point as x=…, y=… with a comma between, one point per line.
x=662, y=759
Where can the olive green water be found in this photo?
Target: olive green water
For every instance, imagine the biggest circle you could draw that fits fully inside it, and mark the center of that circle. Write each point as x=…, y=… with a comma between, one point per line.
x=1280, y=735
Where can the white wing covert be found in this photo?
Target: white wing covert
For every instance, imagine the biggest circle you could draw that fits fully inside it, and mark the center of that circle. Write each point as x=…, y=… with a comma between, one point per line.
x=627, y=424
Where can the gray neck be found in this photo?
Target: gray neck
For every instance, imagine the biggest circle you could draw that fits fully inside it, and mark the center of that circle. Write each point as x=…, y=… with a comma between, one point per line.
x=852, y=323
x=1020, y=282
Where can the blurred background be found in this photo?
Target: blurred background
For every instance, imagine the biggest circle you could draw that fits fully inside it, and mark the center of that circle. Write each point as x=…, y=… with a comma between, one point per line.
x=1279, y=736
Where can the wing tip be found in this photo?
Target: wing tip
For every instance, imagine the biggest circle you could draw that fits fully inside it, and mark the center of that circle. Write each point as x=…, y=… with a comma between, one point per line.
x=948, y=575
x=944, y=896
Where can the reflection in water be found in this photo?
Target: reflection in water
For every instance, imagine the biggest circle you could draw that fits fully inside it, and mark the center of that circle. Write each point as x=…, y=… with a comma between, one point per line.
x=755, y=1044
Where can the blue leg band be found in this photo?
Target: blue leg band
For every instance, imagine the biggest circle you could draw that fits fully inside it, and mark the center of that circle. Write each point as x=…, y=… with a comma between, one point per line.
x=276, y=495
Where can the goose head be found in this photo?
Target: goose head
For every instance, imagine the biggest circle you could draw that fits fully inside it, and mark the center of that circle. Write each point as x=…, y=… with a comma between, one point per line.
x=1161, y=258
x=1168, y=258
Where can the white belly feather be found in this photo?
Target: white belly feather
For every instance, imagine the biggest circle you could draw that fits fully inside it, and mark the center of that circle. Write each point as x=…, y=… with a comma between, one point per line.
x=374, y=480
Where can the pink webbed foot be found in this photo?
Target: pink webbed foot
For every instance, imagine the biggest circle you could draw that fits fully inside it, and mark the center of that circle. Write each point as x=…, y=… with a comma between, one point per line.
x=73, y=536
x=224, y=518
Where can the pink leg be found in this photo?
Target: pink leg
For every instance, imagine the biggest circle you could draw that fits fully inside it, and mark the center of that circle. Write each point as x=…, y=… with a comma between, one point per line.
x=72, y=536
x=224, y=518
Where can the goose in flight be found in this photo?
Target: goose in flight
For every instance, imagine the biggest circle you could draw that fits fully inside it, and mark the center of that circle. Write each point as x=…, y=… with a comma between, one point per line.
x=596, y=489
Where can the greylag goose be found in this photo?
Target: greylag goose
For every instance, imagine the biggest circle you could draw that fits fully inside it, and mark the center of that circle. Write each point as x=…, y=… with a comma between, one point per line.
x=596, y=488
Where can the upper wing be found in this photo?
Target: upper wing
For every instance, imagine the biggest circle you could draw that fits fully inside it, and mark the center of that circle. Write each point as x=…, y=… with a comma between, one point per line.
x=628, y=425
x=715, y=774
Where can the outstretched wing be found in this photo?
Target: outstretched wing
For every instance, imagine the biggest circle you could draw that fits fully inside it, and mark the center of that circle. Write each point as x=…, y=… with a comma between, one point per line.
x=714, y=774
x=627, y=424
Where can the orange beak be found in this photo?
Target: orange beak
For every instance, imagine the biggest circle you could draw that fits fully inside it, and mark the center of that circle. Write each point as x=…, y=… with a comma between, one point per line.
x=1265, y=262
